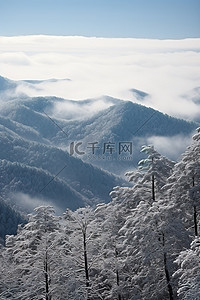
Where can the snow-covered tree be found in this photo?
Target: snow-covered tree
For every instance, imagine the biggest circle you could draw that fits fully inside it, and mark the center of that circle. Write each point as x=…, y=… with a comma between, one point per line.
x=188, y=272
x=149, y=246
x=84, y=253
x=153, y=173
x=35, y=258
x=111, y=218
x=183, y=186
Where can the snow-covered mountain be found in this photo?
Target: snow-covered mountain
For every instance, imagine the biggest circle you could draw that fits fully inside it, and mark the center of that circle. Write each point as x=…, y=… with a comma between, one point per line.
x=30, y=167
x=123, y=122
x=12, y=85
x=7, y=84
x=39, y=134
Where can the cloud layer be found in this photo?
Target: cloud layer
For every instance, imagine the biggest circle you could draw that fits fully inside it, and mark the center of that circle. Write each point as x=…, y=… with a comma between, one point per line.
x=27, y=203
x=165, y=69
x=171, y=147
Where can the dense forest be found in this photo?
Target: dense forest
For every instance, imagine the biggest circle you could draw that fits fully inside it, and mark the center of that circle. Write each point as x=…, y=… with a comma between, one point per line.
x=143, y=245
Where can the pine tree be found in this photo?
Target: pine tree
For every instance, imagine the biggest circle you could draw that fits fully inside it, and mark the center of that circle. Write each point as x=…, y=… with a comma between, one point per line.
x=153, y=172
x=34, y=257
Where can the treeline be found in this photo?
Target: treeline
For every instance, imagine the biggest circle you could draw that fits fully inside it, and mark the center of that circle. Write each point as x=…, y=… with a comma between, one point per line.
x=143, y=245
x=9, y=219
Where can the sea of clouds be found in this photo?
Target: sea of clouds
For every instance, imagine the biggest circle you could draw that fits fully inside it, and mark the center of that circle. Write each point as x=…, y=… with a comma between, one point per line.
x=167, y=70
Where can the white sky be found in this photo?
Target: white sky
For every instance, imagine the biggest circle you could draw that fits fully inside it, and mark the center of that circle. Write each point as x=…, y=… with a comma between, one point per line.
x=165, y=69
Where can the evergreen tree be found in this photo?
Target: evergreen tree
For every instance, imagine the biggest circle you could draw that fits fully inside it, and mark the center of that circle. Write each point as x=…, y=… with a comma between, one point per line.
x=188, y=272
x=153, y=173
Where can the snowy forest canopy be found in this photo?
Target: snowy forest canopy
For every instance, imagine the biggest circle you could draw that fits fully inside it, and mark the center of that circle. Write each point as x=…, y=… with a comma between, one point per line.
x=144, y=244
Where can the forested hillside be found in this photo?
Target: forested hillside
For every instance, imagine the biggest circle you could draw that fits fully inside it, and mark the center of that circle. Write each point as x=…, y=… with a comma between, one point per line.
x=144, y=244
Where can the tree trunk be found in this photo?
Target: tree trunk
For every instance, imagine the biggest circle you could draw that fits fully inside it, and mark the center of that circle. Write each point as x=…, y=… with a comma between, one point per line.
x=170, y=290
x=46, y=277
x=195, y=221
x=195, y=214
x=153, y=188
x=168, y=277
x=117, y=274
x=46, y=266
x=86, y=264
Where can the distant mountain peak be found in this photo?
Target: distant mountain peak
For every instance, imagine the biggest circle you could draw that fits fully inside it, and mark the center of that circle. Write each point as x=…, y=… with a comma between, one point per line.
x=35, y=81
x=139, y=95
x=6, y=84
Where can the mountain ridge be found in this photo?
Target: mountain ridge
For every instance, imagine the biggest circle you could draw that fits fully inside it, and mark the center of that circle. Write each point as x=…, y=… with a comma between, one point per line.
x=34, y=132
